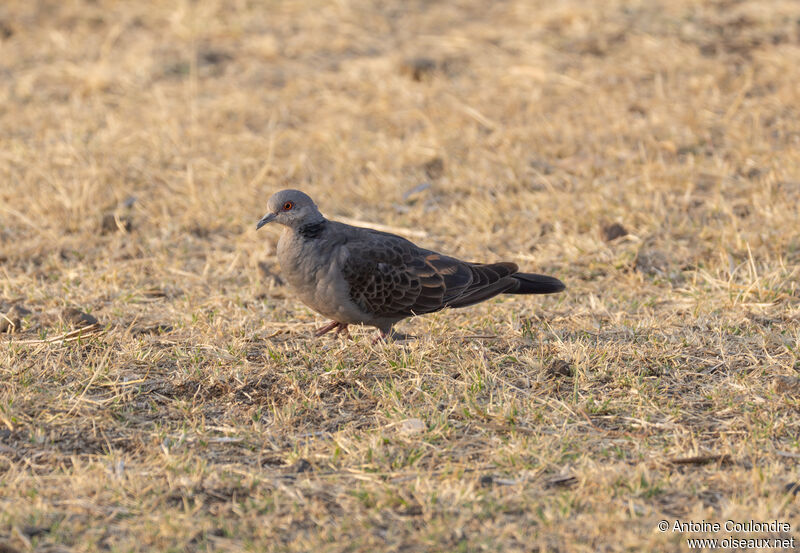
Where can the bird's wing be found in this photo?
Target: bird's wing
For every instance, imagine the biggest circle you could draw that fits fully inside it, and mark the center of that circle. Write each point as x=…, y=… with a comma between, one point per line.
x=389, y=276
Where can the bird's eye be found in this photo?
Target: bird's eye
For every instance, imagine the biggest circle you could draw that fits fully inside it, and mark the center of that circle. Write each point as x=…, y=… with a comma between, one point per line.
x=288, y=206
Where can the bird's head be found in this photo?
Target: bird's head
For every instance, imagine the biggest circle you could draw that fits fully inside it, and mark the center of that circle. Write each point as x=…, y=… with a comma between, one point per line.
x=291, y=208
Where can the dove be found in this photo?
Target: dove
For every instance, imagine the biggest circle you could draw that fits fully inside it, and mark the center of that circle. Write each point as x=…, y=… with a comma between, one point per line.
x=354, y=275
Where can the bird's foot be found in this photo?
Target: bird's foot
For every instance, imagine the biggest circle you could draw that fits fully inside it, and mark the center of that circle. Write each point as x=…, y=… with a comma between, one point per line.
x=327, y=328
x=341, y=329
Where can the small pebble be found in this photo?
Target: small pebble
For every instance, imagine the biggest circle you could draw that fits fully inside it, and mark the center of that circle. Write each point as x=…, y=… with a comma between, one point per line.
x=412, y=426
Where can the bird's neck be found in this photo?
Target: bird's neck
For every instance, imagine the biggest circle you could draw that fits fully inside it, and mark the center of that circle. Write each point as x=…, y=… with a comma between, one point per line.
x=313, y=229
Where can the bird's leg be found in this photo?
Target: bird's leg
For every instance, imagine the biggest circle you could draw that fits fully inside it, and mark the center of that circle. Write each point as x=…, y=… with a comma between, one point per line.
x=380, y=337
x=327, y=328
x=343, y=331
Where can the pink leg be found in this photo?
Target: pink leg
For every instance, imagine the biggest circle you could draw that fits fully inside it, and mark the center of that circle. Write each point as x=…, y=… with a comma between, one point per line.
x=327, y=328
x=343, y=331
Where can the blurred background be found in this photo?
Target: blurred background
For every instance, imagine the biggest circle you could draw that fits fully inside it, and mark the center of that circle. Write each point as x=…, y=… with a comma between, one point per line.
x=517, y=127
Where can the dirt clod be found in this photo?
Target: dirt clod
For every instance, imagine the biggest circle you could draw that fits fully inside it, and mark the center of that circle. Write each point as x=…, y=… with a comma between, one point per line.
x=77, y=318
x=434, y=168
x=614, y=231
x=651, y=262
x=789, y=385
x=11, y=320
x=113, y=222
x=301, y=465
x=559, y=368
x=152, y=329
x=418, y=68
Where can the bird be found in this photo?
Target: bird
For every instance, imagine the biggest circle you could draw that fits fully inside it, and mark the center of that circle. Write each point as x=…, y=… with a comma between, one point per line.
x=355, y=275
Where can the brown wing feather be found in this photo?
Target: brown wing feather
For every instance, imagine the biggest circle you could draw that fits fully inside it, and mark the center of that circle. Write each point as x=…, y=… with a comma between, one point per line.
x=391, y=277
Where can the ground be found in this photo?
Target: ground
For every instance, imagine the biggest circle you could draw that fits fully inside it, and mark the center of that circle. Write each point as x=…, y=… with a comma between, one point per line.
x=646, y=153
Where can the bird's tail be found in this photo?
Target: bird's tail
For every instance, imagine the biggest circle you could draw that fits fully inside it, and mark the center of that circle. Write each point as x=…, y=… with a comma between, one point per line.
x=530, y=283
x=492, y=279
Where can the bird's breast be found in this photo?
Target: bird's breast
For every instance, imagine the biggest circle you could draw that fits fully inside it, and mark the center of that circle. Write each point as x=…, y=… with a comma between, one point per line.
x=314, y=274
x=299, y=263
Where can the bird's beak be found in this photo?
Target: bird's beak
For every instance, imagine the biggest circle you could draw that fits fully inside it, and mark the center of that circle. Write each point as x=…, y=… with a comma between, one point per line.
x=268, y=218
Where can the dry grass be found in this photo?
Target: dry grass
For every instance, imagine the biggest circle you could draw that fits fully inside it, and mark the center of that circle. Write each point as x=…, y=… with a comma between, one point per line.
x=138, y=145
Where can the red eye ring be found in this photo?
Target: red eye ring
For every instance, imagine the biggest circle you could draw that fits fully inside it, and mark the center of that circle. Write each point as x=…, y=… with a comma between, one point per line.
x=288, y=206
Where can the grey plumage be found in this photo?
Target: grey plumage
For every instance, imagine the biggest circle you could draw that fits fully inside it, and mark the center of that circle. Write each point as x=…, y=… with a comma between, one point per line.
x=359, y=275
